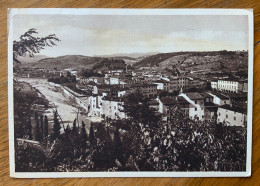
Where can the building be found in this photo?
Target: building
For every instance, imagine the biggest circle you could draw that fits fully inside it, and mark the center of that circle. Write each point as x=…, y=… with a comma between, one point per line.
x=232, y=116
x=166, y=104
x=214, y=85
x=220, y=99
x=147, y=89
x=229, y=85
x=162, y=84
x=154, y=104
x=196, y=104
x=113, y=108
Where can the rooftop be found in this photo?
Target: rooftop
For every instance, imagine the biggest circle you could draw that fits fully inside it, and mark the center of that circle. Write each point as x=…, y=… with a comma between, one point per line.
x=221, y=96
x=168, y=101
x=235, y=109
x=194, y=95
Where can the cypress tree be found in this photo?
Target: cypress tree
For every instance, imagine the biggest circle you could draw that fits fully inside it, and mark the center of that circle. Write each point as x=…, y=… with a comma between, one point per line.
x=56, y=126
x=74, y=129
x=41, y=122
x=29, y=128
x=83, y=135
x=37, y=128
x=118, y=147
x=46, y=127
x=91, y=134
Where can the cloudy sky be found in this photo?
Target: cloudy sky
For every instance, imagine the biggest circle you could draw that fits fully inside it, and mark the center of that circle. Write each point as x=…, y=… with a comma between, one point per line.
x=110, y=34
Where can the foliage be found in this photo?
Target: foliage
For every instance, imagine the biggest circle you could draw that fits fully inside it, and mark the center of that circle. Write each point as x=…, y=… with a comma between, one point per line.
x=31, y=45
x=29, y=127
x=46, y=127
x=91, y=134
x=56, y=126
x=89, y=73
x=83, y=135
x=38, y=135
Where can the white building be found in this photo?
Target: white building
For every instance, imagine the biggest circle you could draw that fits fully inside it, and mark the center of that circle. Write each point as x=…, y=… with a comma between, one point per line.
x=229, y=85
x=95, y=106
x=214, y=85
x=196, y=105
x=220, y=99
x=231, y=116
x=113, y=108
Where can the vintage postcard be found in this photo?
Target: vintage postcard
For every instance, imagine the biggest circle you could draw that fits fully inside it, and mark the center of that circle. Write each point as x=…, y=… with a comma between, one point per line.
x=130, y=92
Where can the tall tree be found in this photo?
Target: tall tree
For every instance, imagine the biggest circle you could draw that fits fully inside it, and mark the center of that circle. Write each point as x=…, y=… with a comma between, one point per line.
x=56, y=126
x=29, y=128
x=38, y=136
x=74, y=129
x=83, y=135
x=118, y=147
x=91, y=134
x=46, y=127
x=41, y=123
x=29, y=44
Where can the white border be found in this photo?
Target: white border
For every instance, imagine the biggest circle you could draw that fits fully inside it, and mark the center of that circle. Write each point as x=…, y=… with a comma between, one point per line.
x=67, y=11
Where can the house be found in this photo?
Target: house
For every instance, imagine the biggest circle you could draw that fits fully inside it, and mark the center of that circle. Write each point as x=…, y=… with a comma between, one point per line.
x=154, y=104
x=196, y=104
x=148, y=89
x=219, y=98
x=113, y=108
x=95, y=106
x=166, y=104
x=162, y=84
x=214, y=84
x=209, y=106
x=232, y=116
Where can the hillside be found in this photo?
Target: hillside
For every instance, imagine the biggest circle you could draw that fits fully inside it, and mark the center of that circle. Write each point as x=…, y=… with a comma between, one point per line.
x=28, y=59
x=197, y=60
x=62, y=62
x=77, y=62
x=109, y=64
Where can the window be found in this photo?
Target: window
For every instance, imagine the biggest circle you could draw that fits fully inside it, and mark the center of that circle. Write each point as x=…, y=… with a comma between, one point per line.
x=195, y=108
x=235, y=118
x=226, y=116
x=219, y=114
x=195, y=102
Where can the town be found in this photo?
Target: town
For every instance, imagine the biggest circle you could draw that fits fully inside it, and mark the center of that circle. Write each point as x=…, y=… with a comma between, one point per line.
x=202, y=95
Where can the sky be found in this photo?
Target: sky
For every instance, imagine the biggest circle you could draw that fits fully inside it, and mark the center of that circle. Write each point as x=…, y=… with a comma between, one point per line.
x=92, y=35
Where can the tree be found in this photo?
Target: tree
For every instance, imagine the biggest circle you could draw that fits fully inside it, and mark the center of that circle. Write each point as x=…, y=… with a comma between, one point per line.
x=46, y=127
x=74, y=129
x=83, y=135
x=29, y=44
x=38, y=136
x=91, y=134
x=118, y=147
x=41, y=121
x=56, y=126
x=29, y=128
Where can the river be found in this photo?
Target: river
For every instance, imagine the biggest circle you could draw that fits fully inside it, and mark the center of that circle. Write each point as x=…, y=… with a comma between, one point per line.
x=66, y=106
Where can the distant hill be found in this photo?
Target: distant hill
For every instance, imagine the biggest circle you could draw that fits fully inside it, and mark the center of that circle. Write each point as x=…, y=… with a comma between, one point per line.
x=131, y=55
x=197, y=60
x=109, y=64
x=187, y=61
x=28, y=59
x=77, y=62
x=62, y=62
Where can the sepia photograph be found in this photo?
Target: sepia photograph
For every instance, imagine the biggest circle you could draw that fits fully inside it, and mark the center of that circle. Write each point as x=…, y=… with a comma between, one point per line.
x=130, y=92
